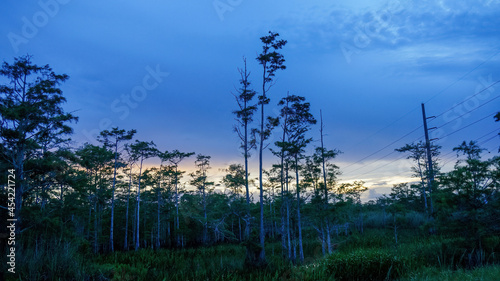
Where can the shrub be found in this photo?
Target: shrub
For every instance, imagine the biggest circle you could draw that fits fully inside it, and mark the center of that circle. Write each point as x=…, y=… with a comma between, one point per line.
x=364, y=264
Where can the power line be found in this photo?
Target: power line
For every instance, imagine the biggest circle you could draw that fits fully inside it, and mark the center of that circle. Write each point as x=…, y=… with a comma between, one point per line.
x=483, y=142
x=464, y=101
x=386, y=164
x=469, y=111
x=477, y=121
x=385, y=156
x=463, y=76
x=398, y=159
x=494, y=131
x=382, y=148
x=411, y=111
x=390, y=124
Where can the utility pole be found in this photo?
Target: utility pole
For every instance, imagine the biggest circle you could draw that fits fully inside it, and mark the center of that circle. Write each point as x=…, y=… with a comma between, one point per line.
x=430, y=177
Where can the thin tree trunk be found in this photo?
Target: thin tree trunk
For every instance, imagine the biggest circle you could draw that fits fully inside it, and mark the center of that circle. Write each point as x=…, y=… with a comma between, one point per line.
x=294, y=257
x=323, y=240
x=176, y=207
x=301, y=250
x=262, y=255
x=283, y=233
x=90, y=221
x=239, y=224
x=134, y=236
x=424, y=192
x=247, y=222
x=328, y=240
x=126, y=212
x=95, y=226
x=288, y=229
x=323, y=160
x=20, y=186
x=395, y=230
x=158, y=232
x=137, y=240
x=168, y=232
x=205, y=229
x=282, y=156
x=111, y=242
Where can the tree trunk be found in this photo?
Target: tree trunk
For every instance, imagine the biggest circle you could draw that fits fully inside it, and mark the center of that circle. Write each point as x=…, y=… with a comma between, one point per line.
x=323, y=240
x=325, y=185
x=20, y=186
x=205, y=228
x=288, y=229
x=239, y=224
x=111, y=242
x=247, y=222
x=176, y=207
x=125, y=244
x=95, y=227
x=424, y=192
x=301, y=250
x=328, y=240
x=283, y=232
x=262, y=255
x=158, y=232
x=90, y=221
x=137, y=240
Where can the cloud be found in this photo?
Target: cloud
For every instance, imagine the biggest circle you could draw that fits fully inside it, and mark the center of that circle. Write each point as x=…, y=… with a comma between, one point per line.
x=373, y=194
x=395, y=24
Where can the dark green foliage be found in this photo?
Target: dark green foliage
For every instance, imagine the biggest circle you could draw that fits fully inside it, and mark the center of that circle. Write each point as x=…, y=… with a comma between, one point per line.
x=32, y=123
x=214, y=263
x=364, y=264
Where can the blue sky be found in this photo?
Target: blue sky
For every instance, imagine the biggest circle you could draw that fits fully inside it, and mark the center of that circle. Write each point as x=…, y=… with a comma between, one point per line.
x=168, y=68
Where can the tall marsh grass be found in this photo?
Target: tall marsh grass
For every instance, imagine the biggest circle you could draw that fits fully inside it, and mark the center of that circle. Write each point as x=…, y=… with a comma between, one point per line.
x=369, y=256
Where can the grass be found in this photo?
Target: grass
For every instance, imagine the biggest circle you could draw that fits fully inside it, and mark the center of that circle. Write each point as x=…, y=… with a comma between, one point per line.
x=371, y=256
x=487, y=273
x=223, y=262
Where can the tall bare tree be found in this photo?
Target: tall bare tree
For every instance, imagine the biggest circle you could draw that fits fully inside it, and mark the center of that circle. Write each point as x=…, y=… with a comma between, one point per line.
x=200, y=180
x=323, y=155
x=112, y=140
x=141, y=151
x=175, y=158
x=244, y=118
x=299, y=120
x=271, y=62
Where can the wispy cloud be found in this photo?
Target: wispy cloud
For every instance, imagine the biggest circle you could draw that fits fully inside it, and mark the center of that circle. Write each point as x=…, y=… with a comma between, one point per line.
x=397, y=24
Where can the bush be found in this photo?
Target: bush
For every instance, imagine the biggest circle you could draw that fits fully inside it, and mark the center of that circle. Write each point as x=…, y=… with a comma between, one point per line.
x=54, y=261
x=364, y=264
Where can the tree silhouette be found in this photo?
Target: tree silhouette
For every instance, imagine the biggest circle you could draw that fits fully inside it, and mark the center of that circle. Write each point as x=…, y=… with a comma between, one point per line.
x=33, y=119
x=271, y=62
x=141, y=151
x=112, y=140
